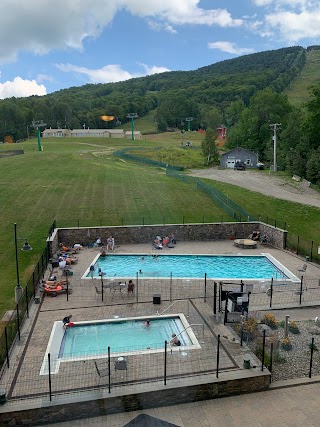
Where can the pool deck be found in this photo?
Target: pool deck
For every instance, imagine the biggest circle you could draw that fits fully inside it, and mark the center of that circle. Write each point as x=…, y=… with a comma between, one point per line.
x=22, y=379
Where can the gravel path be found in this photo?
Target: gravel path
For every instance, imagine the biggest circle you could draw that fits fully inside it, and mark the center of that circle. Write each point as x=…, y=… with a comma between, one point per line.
x=296, y=362
x=261, y=182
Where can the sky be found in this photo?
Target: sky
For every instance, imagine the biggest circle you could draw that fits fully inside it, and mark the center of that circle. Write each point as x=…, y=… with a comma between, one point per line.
x=46, y=45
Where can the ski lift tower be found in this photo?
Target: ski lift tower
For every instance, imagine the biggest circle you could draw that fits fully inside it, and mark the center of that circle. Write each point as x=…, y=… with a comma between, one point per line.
x=189, y=120
x=132, y=116
x=37, y=124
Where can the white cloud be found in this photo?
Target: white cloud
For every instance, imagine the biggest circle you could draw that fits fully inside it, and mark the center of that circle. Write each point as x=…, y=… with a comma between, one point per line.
x=109, y=73
x=295, y=26
x=20, y=88
x=289, y=20
x=276, y=3
x=154, y=69
x=160, y=26
x=229, y=48
x=39, y=28
x=44, y=77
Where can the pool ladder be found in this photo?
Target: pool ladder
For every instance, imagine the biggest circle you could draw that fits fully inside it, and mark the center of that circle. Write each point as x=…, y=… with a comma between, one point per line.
x=193, y=324
x=163, y=311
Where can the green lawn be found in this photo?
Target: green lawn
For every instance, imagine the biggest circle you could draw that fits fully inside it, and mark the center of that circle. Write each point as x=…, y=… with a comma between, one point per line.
x=300, y=219
x=298, y=91
x=80, y=182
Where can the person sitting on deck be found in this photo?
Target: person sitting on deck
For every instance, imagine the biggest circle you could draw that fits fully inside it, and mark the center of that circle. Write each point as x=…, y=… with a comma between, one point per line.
x=255, y=236
x=64, y=247
x=103, y=253
x=51, y=284
x=165, y=241
x=175, y=340
x=157, y=243
x=66, y=321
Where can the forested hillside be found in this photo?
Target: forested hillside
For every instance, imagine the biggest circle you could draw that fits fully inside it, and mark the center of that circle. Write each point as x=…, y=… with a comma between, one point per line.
x=204, y=94
x=246, y=94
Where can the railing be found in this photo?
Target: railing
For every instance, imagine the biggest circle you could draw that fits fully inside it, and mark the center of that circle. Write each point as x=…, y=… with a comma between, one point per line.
x=193, y=324
x=12, y=329
x=163, y=311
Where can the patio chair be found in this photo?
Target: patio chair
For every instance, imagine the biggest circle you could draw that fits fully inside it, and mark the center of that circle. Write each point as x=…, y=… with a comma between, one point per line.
x=117, y=287
x=108, y=286
x=303, y=268
x=102, y=372
x=98, y=290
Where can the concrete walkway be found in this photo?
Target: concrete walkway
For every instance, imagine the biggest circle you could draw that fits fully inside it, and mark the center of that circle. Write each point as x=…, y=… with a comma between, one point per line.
x=286, y=407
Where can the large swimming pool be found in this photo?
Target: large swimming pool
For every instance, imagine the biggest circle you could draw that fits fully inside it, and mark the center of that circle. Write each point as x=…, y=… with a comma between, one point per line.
x=128, y=336
x=259, y=267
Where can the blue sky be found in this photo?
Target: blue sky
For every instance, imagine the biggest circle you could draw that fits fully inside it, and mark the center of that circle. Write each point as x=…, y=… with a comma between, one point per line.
x=50, y=45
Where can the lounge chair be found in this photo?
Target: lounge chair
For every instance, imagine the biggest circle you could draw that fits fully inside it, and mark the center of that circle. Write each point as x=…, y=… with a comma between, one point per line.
x=59, y=289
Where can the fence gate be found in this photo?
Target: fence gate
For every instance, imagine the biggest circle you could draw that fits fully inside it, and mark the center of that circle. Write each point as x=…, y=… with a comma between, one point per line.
x=236, y=304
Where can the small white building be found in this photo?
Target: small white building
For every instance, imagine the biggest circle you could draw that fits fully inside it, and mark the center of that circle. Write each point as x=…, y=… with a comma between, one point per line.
x=136, y=134
x=56, y=133
x=116, y=133
x=81, y=133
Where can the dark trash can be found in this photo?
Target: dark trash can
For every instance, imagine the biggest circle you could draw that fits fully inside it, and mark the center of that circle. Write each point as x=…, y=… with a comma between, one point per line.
x=156, y=299
x=3, y=397
x=246, y=364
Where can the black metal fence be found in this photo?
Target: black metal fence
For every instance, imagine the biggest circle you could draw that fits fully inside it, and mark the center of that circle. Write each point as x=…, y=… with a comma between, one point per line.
x=287, y=348
x=169, y=364
x=13, y=325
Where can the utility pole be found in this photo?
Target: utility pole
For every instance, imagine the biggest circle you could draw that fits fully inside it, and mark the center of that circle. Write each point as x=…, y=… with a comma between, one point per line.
x=37, y=124
x=274, y=127
x=132, y=116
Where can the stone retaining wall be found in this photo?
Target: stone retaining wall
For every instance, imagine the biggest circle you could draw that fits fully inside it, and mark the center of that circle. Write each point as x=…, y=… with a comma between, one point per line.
x=165, y=396
x=183, y=232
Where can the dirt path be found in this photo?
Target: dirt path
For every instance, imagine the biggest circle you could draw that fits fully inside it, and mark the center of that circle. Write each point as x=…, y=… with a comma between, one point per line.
x=263, y=183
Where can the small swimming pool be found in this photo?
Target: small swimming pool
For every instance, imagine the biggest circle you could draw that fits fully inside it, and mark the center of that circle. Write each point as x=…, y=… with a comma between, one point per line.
x=121, y=336
x=219, y=267
x=129, y=336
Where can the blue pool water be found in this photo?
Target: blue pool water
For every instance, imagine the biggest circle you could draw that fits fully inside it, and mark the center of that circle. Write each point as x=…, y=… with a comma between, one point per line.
x=120, y=336
x=192, y=266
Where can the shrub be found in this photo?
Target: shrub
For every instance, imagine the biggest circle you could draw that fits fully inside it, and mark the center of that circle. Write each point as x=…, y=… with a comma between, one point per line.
x=286, y=344
x=270, y=320
x=250, y=325
x=293, y=327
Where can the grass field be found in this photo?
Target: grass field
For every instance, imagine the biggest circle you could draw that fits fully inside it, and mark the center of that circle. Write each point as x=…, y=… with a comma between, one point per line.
x=80, y=182
x=298, y=91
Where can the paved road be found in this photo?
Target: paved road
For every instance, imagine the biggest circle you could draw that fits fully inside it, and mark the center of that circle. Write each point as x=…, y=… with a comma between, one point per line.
x=262, y=182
